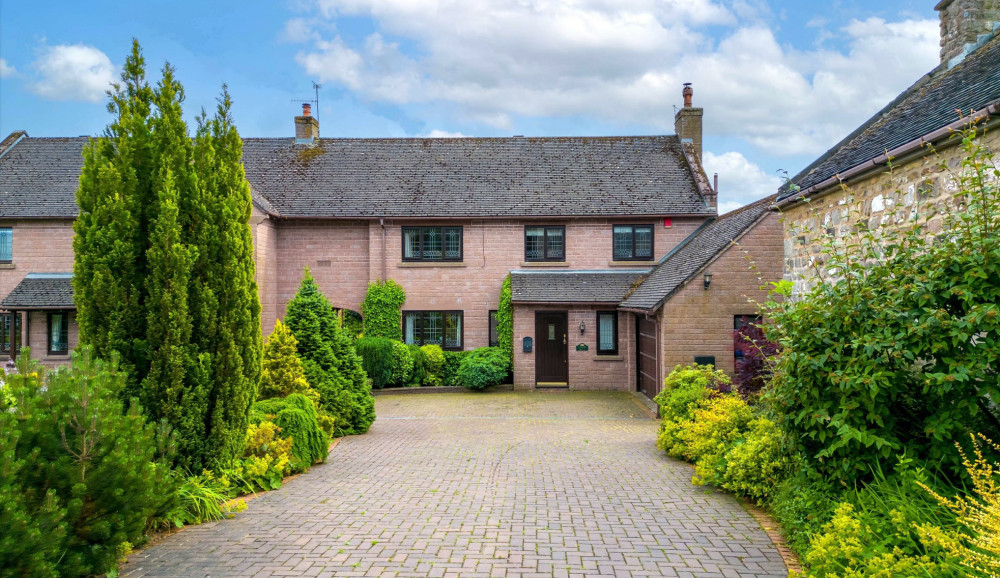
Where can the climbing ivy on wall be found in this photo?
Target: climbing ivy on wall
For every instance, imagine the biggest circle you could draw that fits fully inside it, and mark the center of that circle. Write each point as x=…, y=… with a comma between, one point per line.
x=505, y=320
x=382, y=309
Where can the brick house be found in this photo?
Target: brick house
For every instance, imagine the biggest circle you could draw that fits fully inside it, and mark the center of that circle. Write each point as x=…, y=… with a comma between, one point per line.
x=579, y=223
x=966, y=81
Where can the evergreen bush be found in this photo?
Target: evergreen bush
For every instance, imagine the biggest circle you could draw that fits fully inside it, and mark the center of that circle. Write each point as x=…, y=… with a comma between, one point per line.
x=450, y=367
x=483, y=367
x=434, y=358
x=377, y=359
x=282, y=372
x=295, y=415
x=331, y=365
x=81, y=479
x=402, y=364
x=164, y=275
x=419, y=373
x=382, y=309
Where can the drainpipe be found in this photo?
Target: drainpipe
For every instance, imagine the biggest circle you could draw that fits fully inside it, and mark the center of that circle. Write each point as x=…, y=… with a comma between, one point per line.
x=381, y=223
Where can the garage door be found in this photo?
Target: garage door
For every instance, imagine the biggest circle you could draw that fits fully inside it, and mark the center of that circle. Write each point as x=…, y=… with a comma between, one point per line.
x=648, y=381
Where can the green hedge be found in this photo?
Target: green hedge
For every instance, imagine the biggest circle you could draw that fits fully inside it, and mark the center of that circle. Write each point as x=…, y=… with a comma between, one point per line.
x=449, y=368
x=482, y=368
x=377, y=359
x=435, y=360
x=402, y=364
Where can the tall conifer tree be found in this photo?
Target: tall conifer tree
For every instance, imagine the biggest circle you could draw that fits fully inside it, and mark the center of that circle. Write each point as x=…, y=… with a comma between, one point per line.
x=164, y=271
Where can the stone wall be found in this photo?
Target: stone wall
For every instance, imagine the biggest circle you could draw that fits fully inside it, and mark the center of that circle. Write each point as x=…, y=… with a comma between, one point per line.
x=914, y=190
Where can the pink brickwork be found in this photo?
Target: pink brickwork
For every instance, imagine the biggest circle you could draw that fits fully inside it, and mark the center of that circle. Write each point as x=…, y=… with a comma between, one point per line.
x=696, y=321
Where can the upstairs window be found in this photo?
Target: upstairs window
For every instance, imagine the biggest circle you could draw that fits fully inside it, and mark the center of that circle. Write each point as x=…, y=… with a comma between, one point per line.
x=607, y=333
x=545, y=243
x=58, y=333
x=6, y=245
x=432, y=243
x=442, y=328
x=633, y=242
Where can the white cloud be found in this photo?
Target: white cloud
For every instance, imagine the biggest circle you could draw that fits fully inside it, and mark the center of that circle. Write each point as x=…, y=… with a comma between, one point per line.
x=740, y=181
x=622, y=61
x=73, y=72
x=6, y=70
x=437, y=133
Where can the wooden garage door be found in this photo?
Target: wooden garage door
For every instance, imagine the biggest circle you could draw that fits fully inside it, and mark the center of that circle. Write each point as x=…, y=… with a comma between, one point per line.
x=648, y=381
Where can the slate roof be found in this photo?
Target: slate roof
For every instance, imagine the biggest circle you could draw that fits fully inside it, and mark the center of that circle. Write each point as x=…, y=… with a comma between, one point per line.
x=932, y=103
x=572, y=286
x=365, y=178
x=39, y=177
x=685, y=260
x=474, y=177
x=41, y=291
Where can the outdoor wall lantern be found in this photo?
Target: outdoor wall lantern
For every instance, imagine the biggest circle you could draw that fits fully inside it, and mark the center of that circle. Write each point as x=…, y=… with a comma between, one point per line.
x=526, y=344
x=708, y=279
x=583, y=327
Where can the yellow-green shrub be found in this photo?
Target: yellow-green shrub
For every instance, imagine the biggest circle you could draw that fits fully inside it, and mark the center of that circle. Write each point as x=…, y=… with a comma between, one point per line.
x=684, y=389
x=757, y=464
x=845, y=550
x=266, y=458
x=979, y=548
x=433, y=364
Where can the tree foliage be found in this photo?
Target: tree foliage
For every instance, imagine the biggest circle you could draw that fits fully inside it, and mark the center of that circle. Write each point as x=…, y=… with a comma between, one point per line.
x=282, y=372
x=80, y=481
x=895, y=350
x=331, y=365
x=164, y=271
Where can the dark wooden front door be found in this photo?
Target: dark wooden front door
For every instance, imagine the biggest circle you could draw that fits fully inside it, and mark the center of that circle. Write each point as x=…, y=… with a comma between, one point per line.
x=551, y=353
x=647, y=381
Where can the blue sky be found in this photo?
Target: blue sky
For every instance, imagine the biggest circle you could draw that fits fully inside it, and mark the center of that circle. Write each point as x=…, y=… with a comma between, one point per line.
x=780, y=81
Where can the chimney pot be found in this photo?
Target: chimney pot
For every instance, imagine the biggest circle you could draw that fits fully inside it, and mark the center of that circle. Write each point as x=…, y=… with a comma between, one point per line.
x=687, y=93
x=306, y=109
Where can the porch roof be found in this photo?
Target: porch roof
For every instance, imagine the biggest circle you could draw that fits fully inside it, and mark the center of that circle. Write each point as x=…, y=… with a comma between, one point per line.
x=41, y=291
x=604, y=287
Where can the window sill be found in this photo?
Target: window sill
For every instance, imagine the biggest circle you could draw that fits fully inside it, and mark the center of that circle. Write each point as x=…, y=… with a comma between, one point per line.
x=544, y=264
x=429, y=264
x=600, y=357
x=648, y=263
x=6, y=266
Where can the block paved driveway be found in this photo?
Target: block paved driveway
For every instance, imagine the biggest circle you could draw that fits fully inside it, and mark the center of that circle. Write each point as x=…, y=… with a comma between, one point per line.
x=495, y=484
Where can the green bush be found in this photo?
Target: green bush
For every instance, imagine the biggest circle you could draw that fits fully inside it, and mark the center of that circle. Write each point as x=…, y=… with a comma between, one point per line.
x=331, y=365
x=684, y=389
x=419, y=373
x=434, y=358
x=402, y=364
x=281, y=371
x=483, y=367
x=382, y=308
x=296, y=416
x=204, y=498
x=755, y=464
x=450, y=366
x=802, y=504
x=894, y=351
x=81, y=480
x=377, y=359
x=352, y=322
x=266, y=458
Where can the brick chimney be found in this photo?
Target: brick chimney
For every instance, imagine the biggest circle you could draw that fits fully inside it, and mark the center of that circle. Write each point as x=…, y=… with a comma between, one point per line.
x=687, y=121
x=965, y=26
x=306, y=127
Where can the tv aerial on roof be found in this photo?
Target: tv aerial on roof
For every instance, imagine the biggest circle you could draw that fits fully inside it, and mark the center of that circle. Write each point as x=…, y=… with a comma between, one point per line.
x=314, y=101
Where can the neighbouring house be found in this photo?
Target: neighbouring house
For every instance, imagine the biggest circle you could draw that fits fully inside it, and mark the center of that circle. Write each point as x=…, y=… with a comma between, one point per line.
x=853, y=179
x=584, y=226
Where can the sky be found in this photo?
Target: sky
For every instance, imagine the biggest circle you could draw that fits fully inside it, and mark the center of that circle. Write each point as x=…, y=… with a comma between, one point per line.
x=780, y=81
